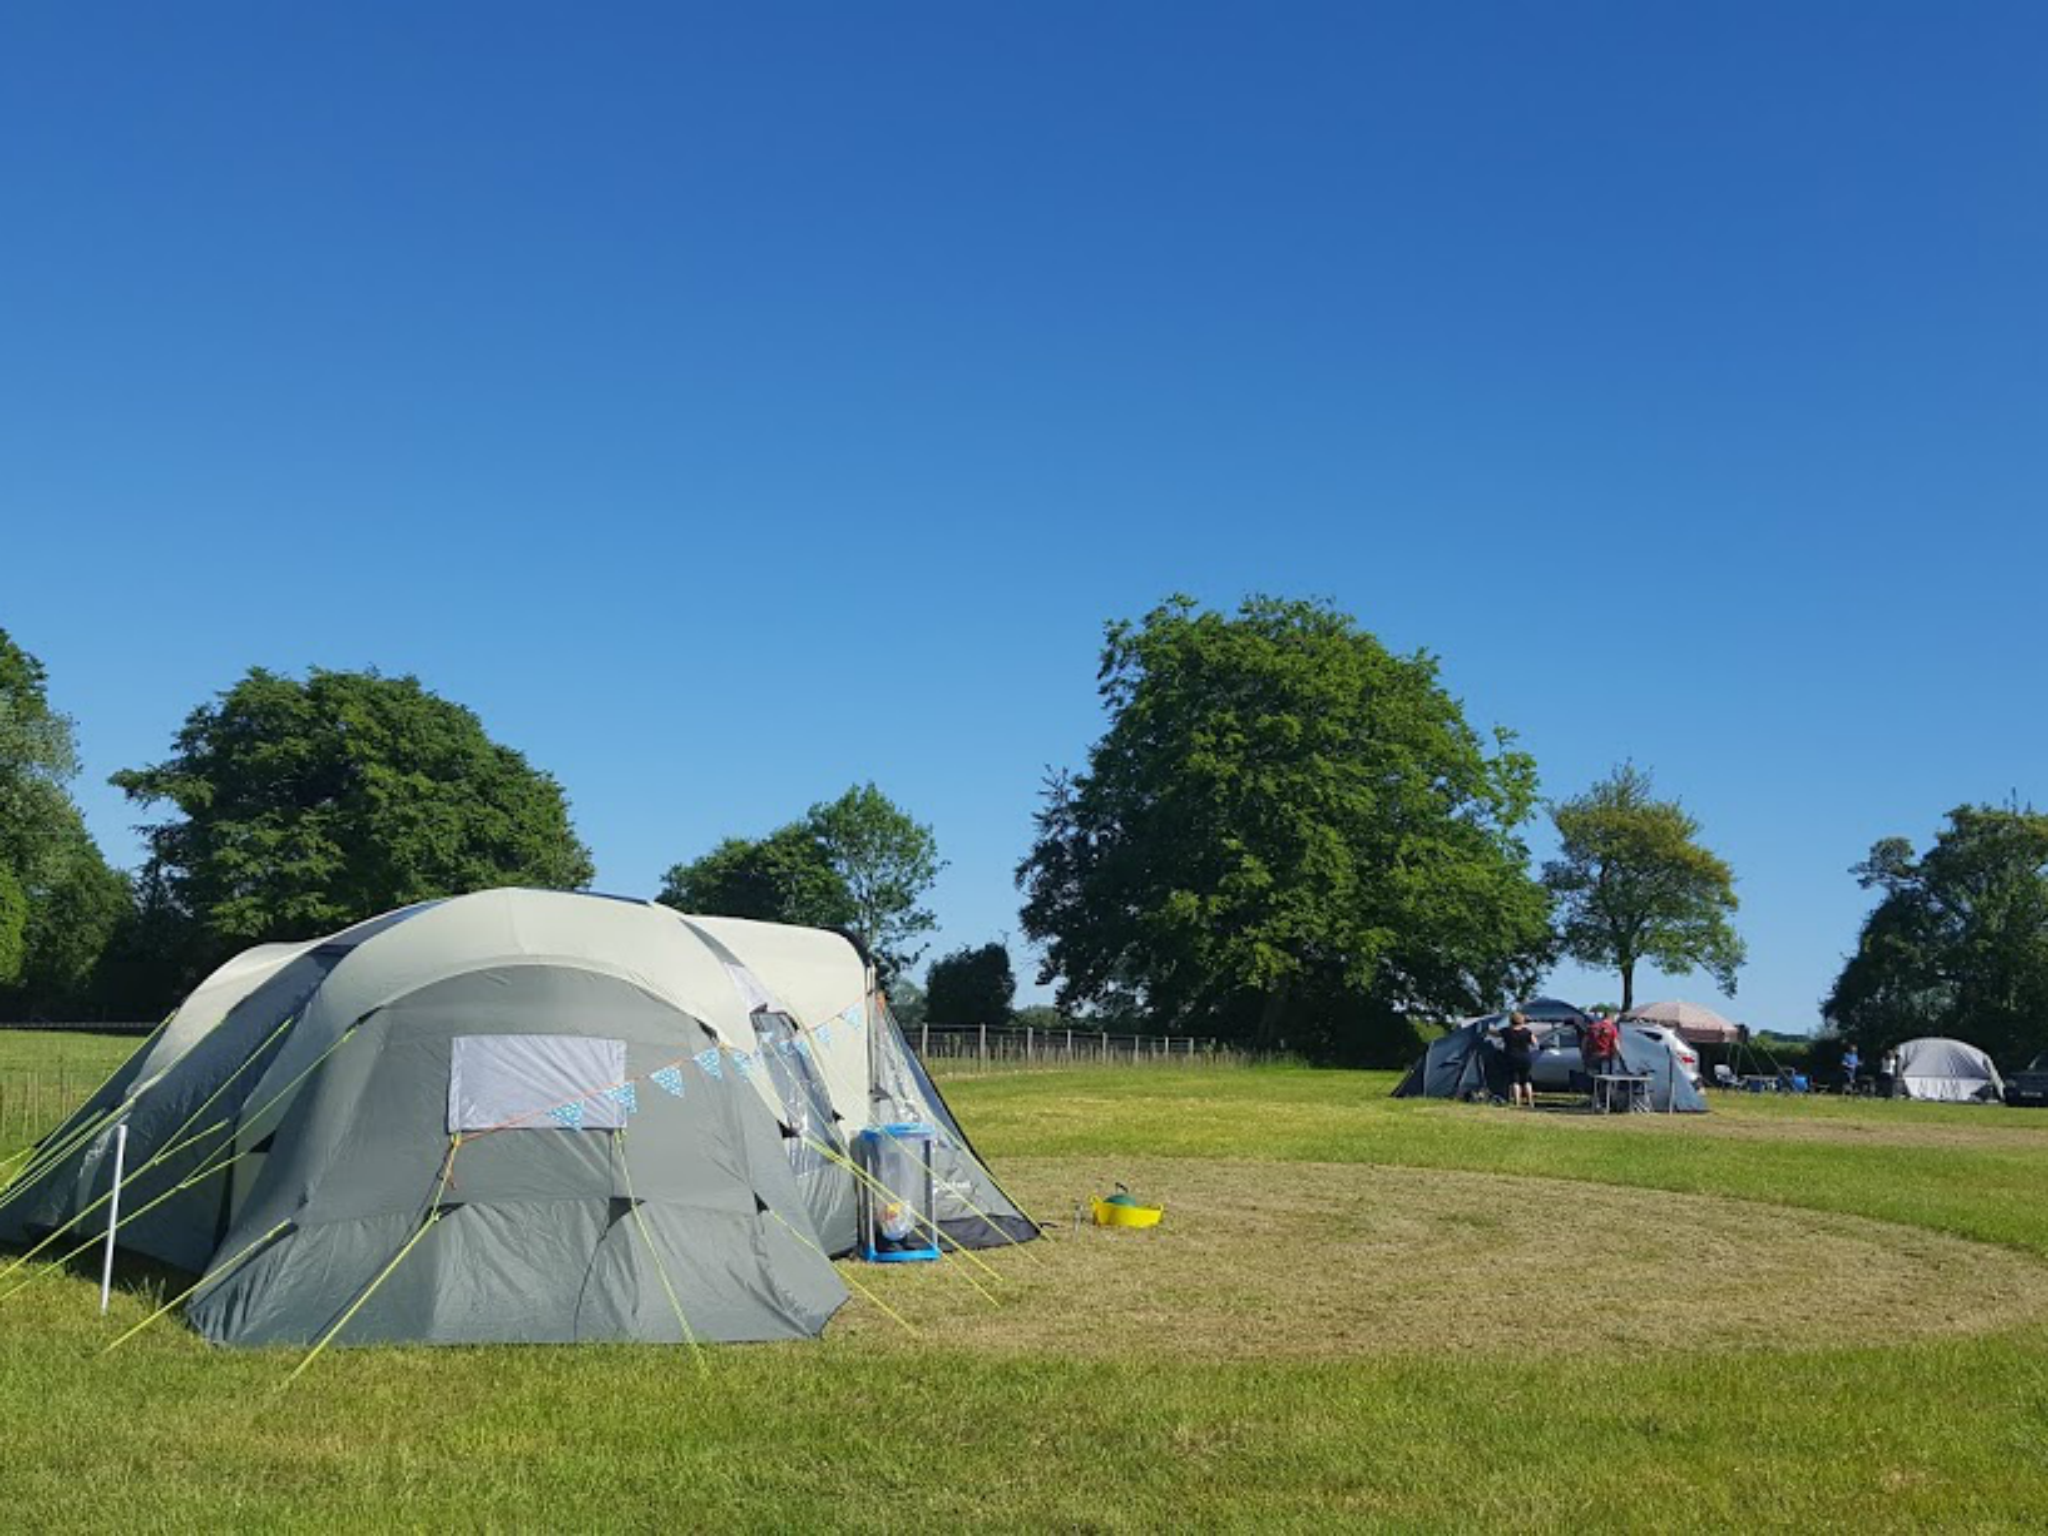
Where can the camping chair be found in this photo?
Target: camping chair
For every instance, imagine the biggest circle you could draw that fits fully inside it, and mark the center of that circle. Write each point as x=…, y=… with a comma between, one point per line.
x=1724, y=1075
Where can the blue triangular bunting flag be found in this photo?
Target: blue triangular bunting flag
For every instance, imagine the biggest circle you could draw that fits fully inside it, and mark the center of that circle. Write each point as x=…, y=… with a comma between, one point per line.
x=669, y=1080
x=570, y=1116
x=824, y=1033
x=626, y=1096
x=856, y=1016
x=803, y=1047
x=743, y=1063
x=708, y=1060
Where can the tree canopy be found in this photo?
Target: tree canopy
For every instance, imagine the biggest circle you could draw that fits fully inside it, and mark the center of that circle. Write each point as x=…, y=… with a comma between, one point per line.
x=60, y=904
x=1633, y=883
x=859, y=863
x=972, y=985
x=301, y=806
x=888, y=861
x=1958, y=942
x=785, y=877
x=1286, y=831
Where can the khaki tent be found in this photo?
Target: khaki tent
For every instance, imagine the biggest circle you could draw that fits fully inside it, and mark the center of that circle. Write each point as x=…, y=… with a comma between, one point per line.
x=512, y=1116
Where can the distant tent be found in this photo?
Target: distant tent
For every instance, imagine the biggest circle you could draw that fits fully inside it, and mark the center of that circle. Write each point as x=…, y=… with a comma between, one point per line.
x=1468, y=1064
x=1695, y=1025
x=1948, y=1070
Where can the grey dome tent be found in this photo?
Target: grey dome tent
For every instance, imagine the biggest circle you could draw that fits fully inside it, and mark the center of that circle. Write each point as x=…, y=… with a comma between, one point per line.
x=1934, y=1068
x=514, y=1116
x=1468, y=1063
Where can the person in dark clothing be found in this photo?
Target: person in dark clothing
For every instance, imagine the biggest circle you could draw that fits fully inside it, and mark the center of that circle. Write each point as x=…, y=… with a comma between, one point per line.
x=1518, y=1041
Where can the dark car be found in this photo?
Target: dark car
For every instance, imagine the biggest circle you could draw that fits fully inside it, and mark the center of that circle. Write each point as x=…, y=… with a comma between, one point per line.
x=2030, y=1086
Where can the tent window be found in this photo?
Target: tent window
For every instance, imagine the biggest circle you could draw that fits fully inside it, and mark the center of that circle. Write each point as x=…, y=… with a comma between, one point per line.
x=535, y=1083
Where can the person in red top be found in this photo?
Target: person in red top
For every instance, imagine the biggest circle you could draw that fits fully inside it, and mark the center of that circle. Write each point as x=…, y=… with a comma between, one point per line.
x=1602, y=1046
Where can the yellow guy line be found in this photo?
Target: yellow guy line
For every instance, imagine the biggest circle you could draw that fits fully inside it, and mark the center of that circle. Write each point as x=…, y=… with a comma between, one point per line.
x=216, y=1275
x=843, y=1275
x=661, y=1269
x=938, y=1238
x=433, y=1220
x=99, y=1237
x=977, y=1210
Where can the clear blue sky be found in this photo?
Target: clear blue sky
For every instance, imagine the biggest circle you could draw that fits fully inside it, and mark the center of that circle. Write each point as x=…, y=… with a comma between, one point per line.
x=734, y=402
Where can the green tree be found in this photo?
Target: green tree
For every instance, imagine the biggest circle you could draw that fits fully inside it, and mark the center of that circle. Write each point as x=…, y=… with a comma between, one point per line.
x=13, y=924
x=888, y=861
x=1633, y=883
x=786, y=877
x=1958, y=941
x=907, y=1002
x=1042, y=1016
x=972, y=986
x=59, y=902
x=1286, y=832
x=302, y=806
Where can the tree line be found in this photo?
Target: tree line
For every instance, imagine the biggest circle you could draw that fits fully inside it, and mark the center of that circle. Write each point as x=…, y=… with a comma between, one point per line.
x=1286, y=833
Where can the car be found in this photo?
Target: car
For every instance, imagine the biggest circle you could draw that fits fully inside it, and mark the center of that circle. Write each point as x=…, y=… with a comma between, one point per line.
x=1688, y=1057
x=2029, y=1086
x=1558, y=1066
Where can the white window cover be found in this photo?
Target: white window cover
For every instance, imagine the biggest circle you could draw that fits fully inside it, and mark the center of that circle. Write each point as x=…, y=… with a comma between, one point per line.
x=511, y=1082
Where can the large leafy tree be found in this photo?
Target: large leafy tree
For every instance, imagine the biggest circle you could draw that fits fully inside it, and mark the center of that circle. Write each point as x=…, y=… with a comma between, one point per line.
x=888, y=860
x=973, y=985
x=1958, y=941
x=59, y=902
x=302, y=805
x=786, y=877
x=1633, y=883
x=859, y=863
x=1287, y=831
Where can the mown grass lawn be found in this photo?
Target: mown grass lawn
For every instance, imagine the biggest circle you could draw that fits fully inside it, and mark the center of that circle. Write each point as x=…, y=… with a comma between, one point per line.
x=1359, y=1313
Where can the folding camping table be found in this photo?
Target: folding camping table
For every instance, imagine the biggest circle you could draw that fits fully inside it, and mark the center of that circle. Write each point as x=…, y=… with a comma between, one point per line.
x=1632, y=1088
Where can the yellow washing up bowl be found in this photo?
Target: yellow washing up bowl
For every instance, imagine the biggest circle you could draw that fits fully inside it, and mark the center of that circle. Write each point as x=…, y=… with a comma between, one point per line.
x=1127, y=1213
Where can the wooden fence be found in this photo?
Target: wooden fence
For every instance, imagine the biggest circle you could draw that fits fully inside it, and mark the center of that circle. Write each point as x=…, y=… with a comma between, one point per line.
x=981, y=1048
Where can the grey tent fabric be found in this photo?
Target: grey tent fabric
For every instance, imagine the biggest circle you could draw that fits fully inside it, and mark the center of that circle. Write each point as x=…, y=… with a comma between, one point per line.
x=546, y=1236
x=1465, y=1063
x=971, y=1209
x=817, y=1151
x=1948, y=1070
x=515, y=1115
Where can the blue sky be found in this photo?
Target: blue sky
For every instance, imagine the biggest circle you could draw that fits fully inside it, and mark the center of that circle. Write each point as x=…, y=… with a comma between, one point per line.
x=732, y=403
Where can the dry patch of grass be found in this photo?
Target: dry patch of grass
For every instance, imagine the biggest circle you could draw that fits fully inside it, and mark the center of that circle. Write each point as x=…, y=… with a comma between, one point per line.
x=1304, y=1261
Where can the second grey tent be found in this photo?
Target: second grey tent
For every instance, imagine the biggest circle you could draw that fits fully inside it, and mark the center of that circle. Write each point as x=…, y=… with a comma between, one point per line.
x=512, y=1116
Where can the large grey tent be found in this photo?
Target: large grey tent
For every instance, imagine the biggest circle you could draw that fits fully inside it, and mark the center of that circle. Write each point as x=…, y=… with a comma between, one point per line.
x=511, y=1116
x=1468, y=1063
x=1934, y=1068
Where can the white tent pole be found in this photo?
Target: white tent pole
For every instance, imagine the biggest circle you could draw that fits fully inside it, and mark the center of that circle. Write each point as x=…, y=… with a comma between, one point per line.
x=113, y=1214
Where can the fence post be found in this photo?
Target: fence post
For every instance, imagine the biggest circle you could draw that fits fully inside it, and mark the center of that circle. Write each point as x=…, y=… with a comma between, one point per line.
x=924, y=1042
x=1070, y=1047
x=1029, y=1053
x=984, y=1046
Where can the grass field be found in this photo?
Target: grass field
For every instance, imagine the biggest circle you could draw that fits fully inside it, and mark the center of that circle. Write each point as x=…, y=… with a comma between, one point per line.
x=1358, y=1312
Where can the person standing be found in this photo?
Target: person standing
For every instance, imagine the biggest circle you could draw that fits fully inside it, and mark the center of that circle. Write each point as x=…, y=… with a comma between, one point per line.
x=1518, y=1043
x=1852, y=1063
x=1888, y=1073
x=1600, y=1046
